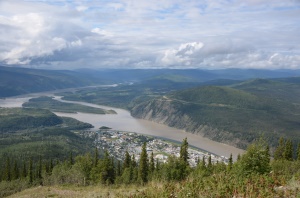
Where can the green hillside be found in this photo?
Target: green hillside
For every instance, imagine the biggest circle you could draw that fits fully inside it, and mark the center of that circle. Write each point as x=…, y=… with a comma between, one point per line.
x=224, y=114
x=220, y=96
x=284, y=89
x=243, y=114
x=16, y=81
x=13, y=119
x=26, y=132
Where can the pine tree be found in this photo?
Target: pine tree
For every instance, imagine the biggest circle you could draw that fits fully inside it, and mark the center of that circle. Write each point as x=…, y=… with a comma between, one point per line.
x=255, y=160
x=30, y=171
x=133, y=162
x=96, y=157
x=288, y=150
x=157, y=165
x=279, y=152
x=238, y=157
x=209, y=163
x=15, y=174
x=118, y=169
x=107, y=173
x=230, y=162
x=112, y=172
x=184, y=155
x=133, y=170
x=40, y=165
x=51, y=165
x=203, y=165
x=298, y=152
x=151, y=165
x=127, y=161
x=71, y=160
x=24, y=170
x=143, y=165
x=7, y=172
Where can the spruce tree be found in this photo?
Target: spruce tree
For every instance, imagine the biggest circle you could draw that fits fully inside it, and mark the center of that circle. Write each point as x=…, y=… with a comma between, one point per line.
x=288, y=150
x=143, y=165
x=238, y=157
x=40, y=165
x=30, y=171
x=298, y=152
x=151, y=165
x=157, y=165
x=209, y=163
x=24, y=170
x=112, y=171
x=255, y=160
x=230, y=162
x=133, y=162
x=15, y=174
x=7, y=172
x=118, y=169
x=203, y=165
x=184, y=155
x=71, y=160
x=96, y=157
x=51, y=165
x=127, y=161
x=107, y=173
x=279, y=151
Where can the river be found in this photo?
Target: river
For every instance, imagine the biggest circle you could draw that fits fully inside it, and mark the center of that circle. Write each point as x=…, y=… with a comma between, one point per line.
x=123, y=121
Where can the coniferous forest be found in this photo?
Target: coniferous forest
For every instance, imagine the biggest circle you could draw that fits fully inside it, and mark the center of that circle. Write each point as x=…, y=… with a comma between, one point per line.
x=256, y=173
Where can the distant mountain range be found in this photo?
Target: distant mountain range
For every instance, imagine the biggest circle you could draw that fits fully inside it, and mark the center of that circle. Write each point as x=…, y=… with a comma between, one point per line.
x=16, y=80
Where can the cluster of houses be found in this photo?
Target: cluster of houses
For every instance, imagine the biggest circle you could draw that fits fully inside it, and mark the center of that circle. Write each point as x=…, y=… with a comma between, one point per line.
x=118, y=142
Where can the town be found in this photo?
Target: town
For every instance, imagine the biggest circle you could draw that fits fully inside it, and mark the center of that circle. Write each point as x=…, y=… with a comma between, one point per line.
x=118, y=142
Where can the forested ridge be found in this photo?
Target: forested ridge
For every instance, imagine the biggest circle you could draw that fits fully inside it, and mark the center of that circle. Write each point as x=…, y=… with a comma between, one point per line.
x=233, y=115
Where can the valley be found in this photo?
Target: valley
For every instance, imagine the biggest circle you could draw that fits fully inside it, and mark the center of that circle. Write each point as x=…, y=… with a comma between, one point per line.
x=235, y=114
x=123, y=121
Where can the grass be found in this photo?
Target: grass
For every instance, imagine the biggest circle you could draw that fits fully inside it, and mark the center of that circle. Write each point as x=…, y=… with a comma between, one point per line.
x=80, y=192
x=209, y=187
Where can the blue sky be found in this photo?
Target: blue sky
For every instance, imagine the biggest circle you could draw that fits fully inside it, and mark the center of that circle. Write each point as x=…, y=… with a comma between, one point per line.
x=207, y=34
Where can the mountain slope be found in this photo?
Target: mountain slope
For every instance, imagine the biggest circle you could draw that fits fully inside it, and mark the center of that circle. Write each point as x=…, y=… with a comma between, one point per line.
x=223, y=114
x=16, y=81
x=26, y=132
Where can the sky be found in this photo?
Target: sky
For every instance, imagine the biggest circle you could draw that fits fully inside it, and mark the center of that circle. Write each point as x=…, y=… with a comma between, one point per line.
x=204, y=34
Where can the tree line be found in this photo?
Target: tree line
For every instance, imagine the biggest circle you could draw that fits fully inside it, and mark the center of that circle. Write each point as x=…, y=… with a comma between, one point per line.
x=254, y=166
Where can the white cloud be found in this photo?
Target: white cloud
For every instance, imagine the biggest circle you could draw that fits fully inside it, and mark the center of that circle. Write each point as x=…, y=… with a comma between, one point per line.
x=102, y=32
x=81, y=8
x=183, y=55
x=145, y=34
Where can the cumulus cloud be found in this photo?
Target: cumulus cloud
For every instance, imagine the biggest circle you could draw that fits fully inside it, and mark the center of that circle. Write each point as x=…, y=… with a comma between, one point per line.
x=102, y=32
x=226, y=55
x=183, y=55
